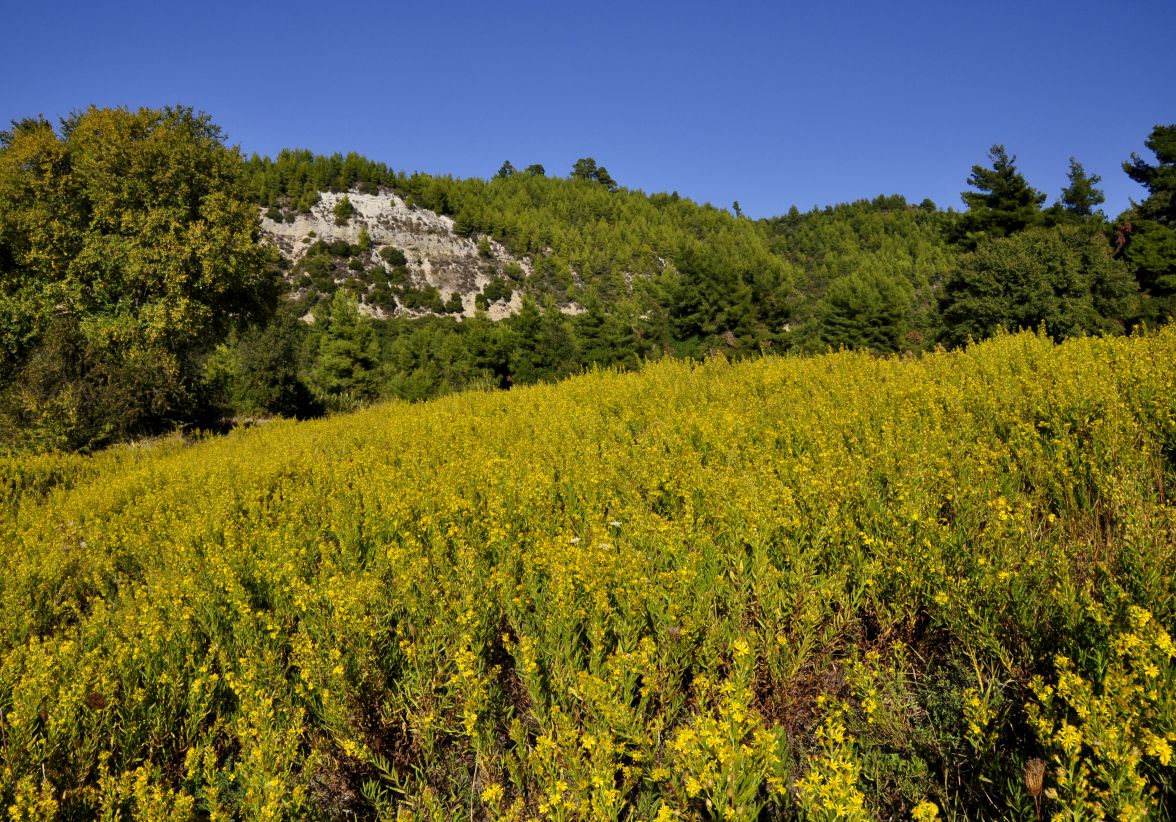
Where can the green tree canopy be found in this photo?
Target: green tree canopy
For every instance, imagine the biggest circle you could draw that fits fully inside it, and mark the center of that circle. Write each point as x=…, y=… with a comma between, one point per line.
x=586, y=169
x=258, y=370
x=296, y=177
x=1159, y=178
x=1081, y=197
x=346, y=370
x=344, y=210
x=1003, y=202
x=1062, y=276
x=869, y=241
x=865, y=310
x=1147, y=232
x=604, y=178
x=127, y=251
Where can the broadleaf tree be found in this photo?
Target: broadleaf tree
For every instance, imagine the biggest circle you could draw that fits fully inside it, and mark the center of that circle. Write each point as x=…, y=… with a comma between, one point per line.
x=128, y=250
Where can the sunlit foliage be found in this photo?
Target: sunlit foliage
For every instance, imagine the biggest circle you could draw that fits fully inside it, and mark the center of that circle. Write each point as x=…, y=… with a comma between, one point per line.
x=826, y=587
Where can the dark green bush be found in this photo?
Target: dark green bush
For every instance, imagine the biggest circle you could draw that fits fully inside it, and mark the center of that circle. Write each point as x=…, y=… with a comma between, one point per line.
x=393, y=256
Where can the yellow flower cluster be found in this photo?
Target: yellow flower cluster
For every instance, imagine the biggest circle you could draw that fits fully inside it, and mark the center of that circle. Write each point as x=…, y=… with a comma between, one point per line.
x=1105, y=732
x=613, y=598
x=830, y=789
x=725, y=757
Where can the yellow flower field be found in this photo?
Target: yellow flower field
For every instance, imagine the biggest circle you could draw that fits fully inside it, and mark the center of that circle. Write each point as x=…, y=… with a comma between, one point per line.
x=820, y=588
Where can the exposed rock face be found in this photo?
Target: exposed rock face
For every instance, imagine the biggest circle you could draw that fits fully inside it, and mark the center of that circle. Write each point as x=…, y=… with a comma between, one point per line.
x=437, y=255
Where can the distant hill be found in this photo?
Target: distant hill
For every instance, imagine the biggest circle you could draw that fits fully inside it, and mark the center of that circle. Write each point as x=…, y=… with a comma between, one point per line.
x=638, y=276
x=160, y=277
x=693, y=277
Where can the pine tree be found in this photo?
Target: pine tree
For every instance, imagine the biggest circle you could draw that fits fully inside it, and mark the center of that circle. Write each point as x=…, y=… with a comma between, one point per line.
x=1003, y=202
x=1081, y=198
x=584, y=169
x=343, y=211
x=587, y=170
x=345, y=372
x=527, y=355
x=865, y=310
x=1147, y=232
x=603, y=340
x=561, y=356
x=605, y=179
x=1159, y=179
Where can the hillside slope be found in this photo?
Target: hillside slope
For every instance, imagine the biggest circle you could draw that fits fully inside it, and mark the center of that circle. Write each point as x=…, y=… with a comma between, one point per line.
x=660, y=266
x=589, y=273
x=836, y=586
x=435, y=255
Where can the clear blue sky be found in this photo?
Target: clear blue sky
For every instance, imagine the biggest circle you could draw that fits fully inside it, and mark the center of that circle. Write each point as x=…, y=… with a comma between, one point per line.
x=771, y=103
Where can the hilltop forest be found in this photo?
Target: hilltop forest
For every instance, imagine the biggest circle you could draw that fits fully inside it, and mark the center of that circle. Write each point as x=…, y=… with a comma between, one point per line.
x=137, y=293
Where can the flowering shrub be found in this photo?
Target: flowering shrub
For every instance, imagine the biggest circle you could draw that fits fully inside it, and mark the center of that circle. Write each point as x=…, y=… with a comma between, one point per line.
x=834, y=586
x=1111, y=736
x=830, y=789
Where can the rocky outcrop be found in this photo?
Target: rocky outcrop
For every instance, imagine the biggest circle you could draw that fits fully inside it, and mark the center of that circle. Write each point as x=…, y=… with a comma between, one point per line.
x=436, y=255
